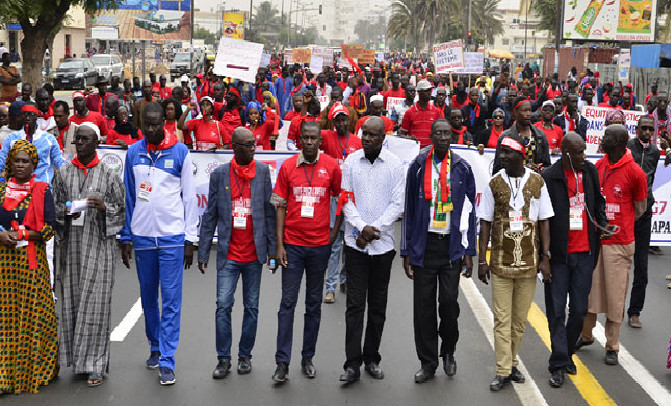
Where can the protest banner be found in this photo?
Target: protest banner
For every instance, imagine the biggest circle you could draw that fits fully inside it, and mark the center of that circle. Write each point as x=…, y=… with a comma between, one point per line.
x=353, y=51
x=474, y=63
x=204, y=163
x=316, y=64
x=324, y=101
x=301, y=55
x=238, y=59
x=289, y=56
x=325, y=53
x=448, y=56
x=393, y=101
x=367, y=57
x=380, y=57
x=596, y=117
x=265, y=60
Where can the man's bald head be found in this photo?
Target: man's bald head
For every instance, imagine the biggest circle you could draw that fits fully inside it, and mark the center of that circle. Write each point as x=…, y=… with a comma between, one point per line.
x=571, y=140
x=614, y=141
x=243, y=145
x=242, y=135
x=375, y=125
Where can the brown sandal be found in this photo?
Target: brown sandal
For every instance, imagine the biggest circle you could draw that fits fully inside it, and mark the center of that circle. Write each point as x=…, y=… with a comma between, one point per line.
x=95, y=379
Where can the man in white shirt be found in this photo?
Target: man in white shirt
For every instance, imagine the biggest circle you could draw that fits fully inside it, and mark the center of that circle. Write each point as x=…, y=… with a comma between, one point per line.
x=371, y=200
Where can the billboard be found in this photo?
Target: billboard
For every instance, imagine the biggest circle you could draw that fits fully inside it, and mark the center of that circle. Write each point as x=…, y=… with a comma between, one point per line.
x=145, y=20
x=234, y=25
x=610, y=20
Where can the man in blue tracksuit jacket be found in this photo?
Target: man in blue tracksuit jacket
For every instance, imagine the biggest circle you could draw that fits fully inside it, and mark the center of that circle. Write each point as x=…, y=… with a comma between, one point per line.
x=161, y=219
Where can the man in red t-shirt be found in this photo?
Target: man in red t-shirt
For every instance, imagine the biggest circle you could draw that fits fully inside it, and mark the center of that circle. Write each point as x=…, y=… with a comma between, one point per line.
x=302, y=194
x=82, y=114
x=625, y=187
x=298, y=105
x=573, y=185
x=418, y=119
x=395, y=91
x=246, y=240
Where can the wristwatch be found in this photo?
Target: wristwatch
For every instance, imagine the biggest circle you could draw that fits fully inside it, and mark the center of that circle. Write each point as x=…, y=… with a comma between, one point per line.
x=546, y=254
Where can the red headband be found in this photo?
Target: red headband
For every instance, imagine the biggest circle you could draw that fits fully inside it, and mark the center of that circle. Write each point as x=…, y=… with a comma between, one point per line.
x=519, y=104
x=513, y=144
x=30, y=108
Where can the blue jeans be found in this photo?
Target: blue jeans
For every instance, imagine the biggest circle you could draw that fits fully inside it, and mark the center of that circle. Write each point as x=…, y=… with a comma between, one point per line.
x=334, y=263
x=312, y=261
x=161, y=269
x=574, y=278
x=227, y=281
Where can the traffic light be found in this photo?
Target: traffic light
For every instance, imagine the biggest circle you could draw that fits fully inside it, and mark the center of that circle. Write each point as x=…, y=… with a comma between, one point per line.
x=320, y=9
x=470, y=38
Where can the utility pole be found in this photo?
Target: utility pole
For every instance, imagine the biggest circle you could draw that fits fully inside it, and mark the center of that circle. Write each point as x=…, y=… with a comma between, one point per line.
x=250, y=16
x=469, y=21
x=526, y=23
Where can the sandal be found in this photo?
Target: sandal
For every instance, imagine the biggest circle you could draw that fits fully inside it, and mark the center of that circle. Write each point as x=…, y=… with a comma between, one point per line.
x=95, y=379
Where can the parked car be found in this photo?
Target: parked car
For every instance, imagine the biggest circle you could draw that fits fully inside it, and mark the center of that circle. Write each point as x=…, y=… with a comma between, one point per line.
x=108, y=65
x=180, y=65
x=75, y=73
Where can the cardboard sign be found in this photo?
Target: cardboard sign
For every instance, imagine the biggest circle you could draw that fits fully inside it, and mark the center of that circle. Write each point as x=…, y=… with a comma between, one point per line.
x=325, y=53
x=289, y=56
x=302, y=55
x=316, y=64
x=367, y=57
x=352, y=51
x=393, y=101
x=449, y=56
x=238, y=59
x=474, y=63
x=265, y=60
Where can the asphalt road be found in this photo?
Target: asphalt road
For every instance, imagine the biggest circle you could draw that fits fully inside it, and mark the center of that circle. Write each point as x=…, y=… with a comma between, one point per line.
x=130, y=383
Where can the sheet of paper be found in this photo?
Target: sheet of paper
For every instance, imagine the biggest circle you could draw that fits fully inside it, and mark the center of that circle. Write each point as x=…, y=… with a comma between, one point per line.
x=78, y=206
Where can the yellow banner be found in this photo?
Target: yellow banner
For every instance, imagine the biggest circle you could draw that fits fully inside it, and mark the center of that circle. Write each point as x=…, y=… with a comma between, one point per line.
x=234, y=25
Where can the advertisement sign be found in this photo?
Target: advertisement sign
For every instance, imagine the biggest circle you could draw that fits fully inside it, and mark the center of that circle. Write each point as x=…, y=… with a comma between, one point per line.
x=146, y=20
x=610, y=20
x=474, y=63
x=302, y=55
x=448, y=56
x=238, y=59
x=325, y=53
x=596, y=117
x=234, y=25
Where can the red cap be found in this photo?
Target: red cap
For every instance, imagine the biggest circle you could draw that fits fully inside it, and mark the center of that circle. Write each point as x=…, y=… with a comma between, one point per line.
x=513, y=144
x=77, y=94
x=337, y=108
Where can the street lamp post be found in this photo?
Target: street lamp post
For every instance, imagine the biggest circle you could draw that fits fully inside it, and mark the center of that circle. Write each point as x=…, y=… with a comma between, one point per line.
x=526, y=23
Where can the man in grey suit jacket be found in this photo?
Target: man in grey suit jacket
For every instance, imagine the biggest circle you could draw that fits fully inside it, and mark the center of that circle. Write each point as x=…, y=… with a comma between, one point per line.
x=239, y=207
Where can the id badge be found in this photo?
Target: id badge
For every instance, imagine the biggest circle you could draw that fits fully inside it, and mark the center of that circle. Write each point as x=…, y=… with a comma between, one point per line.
x=145, y=190
x=515, y=217
x=79, y=221
x=308, y=207
x=575, y=219
x=240, y=218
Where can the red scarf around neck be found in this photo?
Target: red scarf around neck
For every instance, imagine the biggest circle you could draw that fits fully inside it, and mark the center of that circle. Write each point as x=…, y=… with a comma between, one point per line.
x=169, y=141
x=246, y=172
x=461, y=134
x=428, y=188
x=571, y=121
x=16, y=192
x=95, y=161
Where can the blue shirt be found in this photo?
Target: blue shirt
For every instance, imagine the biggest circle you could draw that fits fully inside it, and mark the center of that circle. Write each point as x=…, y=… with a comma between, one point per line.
x=48, y=152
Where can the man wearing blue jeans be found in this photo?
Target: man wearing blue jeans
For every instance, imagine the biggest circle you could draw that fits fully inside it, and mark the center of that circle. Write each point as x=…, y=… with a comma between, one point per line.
x=302, y=194
x=573, y=186
x=239, y=207
x=335, y=259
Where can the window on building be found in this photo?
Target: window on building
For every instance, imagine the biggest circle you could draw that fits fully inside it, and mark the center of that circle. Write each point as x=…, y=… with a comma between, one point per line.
x=506, y=41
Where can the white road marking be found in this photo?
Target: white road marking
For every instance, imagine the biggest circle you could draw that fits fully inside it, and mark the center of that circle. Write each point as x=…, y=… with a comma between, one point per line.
x=528, y=392
x=637, y=371
x=121, y=331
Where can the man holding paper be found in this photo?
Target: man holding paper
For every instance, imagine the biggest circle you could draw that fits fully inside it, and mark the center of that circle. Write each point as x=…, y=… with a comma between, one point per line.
x=87, y=247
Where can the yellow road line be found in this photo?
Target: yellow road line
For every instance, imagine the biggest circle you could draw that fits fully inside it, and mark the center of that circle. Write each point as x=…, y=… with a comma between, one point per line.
x=590, y=389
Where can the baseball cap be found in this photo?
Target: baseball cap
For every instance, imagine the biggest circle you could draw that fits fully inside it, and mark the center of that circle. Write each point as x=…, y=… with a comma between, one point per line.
x=15, y=108
x=423, y=85
x=337, y=108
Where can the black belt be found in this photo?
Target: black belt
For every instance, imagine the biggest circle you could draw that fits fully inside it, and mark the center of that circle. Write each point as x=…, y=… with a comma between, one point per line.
x=438, y=236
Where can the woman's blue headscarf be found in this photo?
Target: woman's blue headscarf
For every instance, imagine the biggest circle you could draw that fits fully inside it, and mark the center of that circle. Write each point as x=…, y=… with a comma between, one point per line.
x=256, y=106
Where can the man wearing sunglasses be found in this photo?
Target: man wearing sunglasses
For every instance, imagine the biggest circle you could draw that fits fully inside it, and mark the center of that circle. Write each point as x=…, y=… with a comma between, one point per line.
x=239, y=206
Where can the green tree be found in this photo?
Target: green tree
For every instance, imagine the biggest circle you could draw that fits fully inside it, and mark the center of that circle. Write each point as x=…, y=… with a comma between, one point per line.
x=486, y=22
x=39, y=21
x=547, y=11
x=202, y=33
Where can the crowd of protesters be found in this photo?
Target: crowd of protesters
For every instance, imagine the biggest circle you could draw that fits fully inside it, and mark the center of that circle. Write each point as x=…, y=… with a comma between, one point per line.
x=580, y=226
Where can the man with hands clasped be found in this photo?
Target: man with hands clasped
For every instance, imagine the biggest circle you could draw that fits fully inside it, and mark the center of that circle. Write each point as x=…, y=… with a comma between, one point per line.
x=438, y=237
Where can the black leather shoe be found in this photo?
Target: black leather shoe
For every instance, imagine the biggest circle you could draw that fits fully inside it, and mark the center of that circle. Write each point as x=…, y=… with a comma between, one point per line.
x=557, y=378
x=516, y=376
x=422, y=375
x=281, y=372
x=611, y=358
x=308, y=368
x=449, y=365
x=374, y=370
x=350, y=375
x=244, y=365
x=571, y=368
x=498, y=383
x=582, y=343
x=222, y=369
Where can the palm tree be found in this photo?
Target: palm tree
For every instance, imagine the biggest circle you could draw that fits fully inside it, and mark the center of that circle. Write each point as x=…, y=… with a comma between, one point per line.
x=436, y=17
x=404, y=21
x=486, y=19
x=266, y=17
